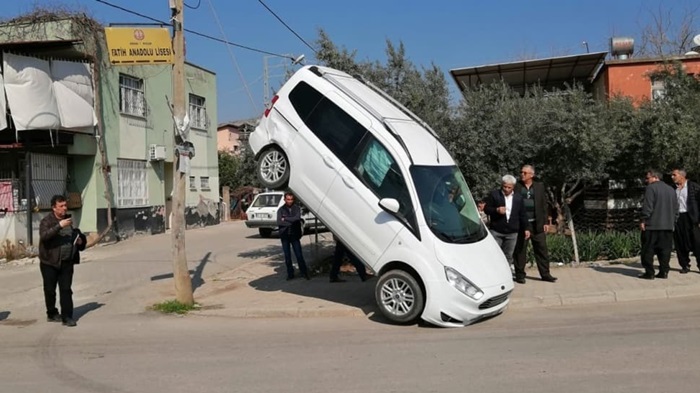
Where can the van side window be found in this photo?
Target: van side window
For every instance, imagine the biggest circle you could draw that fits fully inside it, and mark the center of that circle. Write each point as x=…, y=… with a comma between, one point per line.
x=380, y=172
x=333, y=126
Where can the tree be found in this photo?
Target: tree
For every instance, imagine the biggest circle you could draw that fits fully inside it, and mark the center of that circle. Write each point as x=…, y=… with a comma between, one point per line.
x=669, y=33
x=229, y=170
x=669, y=125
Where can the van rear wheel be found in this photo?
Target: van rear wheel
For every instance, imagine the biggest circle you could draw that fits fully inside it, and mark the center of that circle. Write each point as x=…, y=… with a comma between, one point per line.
x=399, y=297
x=265, y=232
x=273, y=169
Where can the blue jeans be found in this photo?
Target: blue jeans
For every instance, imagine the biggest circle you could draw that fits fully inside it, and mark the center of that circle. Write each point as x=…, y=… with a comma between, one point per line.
x=296, y=245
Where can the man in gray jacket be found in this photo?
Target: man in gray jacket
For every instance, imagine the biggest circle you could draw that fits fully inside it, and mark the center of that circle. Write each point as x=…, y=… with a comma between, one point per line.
x=658, y=219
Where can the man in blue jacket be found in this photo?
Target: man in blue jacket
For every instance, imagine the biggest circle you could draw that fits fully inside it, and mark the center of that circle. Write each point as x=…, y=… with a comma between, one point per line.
x=506, y=211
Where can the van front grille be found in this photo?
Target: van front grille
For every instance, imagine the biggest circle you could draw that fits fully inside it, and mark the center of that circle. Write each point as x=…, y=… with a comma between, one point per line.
x=495, y=301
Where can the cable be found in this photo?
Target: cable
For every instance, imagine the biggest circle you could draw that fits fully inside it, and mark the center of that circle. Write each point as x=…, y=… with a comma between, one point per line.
x=233, y=58
x=285, y=25
x=199, y=2
x=192, y=31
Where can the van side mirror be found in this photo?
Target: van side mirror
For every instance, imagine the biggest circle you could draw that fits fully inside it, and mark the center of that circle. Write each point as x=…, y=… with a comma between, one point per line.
x=391, y=205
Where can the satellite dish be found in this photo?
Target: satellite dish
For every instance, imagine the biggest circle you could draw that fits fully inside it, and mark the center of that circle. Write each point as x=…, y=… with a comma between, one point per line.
x=696, y=40
x=692, y=53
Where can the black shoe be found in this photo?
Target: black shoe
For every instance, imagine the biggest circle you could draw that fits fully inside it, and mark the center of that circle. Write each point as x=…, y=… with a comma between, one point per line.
x=290, y=278
x=685, y=270
x=54, y=318
x=646, y=276
x=663, y=275
x=549, y=279
x=69, y=322
x=306, y=276
x=337, y=280
x=520, y=280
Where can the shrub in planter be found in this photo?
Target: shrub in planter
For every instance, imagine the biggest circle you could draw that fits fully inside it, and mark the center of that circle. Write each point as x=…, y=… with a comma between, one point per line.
x=622, y=244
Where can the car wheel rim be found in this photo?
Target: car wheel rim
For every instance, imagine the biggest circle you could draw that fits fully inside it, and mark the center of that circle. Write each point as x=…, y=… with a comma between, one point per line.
x=397, y=297
x=273, y=166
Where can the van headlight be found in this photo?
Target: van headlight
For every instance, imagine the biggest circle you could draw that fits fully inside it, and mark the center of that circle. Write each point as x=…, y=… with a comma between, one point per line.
x=462, y=284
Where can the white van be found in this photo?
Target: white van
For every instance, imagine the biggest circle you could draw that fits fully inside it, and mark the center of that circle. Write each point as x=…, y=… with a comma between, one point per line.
x=380, y=180
x=262, y=214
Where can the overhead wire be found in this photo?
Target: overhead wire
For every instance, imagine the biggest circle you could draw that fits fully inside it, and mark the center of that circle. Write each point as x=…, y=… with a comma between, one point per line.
x=287, y=26
x=233, y=57
x=199, y=2
x=191, y=31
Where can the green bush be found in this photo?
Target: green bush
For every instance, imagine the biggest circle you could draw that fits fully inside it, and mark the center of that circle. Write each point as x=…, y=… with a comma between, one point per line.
x=623, y=245
x=561, y=248
x=592, y=246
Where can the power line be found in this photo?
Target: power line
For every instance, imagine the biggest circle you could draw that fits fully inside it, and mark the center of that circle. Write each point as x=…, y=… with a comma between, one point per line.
x=287, y=26
x=192, y=31
x=233, y=58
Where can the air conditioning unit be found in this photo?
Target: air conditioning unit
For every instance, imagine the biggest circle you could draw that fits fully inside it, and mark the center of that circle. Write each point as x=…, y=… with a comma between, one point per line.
x=156, y=153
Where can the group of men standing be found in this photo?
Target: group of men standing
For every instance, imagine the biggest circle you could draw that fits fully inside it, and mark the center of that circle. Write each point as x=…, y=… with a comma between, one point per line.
x=669, y=216
x=517, y=213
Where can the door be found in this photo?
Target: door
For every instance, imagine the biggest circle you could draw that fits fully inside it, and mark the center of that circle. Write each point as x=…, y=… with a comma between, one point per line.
x=331, y=131
x=353, y=201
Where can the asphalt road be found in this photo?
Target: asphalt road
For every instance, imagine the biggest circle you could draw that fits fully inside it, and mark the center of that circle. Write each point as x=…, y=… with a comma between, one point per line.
x=625, y=347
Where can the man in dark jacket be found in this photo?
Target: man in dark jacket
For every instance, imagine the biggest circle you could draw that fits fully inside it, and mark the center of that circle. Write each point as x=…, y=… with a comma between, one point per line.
x=535, y=200
x=290, y=229
x=658, y=219
x=59, y=247
x=686, y=235
x=506, y=211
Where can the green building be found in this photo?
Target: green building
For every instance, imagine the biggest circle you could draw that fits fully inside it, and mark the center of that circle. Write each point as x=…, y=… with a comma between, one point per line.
x=101, y=134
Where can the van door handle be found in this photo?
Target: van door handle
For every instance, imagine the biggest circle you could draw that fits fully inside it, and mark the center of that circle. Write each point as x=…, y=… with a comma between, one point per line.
x=348, y=181
x=329, y=162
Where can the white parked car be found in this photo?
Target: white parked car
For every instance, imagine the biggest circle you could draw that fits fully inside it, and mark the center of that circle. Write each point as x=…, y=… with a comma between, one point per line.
x=262, y=214
x=382, y=182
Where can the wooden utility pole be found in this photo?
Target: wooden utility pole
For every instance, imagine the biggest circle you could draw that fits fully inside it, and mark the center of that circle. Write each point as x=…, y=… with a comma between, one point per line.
x=181, y=275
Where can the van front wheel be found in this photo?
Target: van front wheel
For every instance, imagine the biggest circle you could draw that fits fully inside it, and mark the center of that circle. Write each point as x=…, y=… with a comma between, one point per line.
x=399, y=297
x=273, y=169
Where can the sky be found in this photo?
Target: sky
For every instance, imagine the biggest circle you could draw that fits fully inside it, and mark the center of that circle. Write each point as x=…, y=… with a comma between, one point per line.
x=449, y=33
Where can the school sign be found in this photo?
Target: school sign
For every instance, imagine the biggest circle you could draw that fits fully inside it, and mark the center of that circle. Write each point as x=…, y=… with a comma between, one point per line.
x=129, y=45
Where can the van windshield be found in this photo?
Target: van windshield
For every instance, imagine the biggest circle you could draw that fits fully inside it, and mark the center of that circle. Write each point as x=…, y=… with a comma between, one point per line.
x=271, y=200
x=447, y=204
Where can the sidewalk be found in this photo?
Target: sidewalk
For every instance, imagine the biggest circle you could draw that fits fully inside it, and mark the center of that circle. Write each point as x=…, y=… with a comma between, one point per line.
x=259, y=289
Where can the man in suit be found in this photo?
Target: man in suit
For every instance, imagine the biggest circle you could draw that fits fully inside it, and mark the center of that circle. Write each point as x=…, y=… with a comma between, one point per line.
x=658, y=220
x=507, y=218
x=687, y=230
x=535, y=200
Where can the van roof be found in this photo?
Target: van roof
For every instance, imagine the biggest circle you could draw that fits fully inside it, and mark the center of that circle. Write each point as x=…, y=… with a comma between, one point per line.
x=418, y=139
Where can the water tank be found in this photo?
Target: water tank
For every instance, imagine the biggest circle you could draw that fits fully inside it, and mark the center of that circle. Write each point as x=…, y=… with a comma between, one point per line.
x=621, y=47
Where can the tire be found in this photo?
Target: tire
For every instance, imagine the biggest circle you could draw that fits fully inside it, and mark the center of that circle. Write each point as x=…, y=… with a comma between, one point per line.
x=272, y=169
x=265, y=232
x=399, y=296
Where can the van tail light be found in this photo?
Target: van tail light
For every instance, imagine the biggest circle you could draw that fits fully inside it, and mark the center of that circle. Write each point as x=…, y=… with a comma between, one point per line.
x=272, y=103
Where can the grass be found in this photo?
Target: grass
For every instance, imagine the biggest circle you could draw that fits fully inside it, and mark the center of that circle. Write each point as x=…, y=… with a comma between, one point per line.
x=174, y=307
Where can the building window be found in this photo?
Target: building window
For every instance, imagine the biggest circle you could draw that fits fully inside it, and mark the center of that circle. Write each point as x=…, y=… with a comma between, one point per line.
x=204, y=183
x=658, y=90
x=132, y=183
x=193, y=186
x=131, y=98
x=198, y=112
